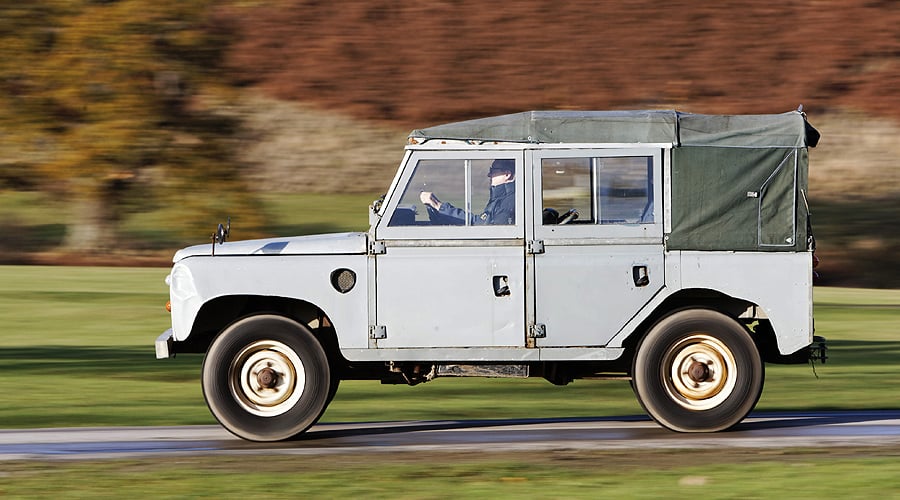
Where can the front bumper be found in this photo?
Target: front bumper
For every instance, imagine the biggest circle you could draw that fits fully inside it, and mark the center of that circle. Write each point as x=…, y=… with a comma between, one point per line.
x=164, y=345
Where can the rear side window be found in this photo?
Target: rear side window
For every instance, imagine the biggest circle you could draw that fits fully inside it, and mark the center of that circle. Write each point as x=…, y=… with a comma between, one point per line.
x=601, y=190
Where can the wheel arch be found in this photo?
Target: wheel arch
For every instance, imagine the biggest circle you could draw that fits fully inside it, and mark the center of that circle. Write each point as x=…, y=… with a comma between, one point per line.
x=217, y=314
x=743, y=311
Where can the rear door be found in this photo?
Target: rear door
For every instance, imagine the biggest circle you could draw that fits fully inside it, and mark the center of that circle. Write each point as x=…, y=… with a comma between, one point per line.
x=594, y=270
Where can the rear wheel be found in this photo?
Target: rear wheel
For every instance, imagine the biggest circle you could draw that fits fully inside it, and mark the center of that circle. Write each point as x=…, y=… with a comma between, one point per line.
x=698, y=371
x=266, y=378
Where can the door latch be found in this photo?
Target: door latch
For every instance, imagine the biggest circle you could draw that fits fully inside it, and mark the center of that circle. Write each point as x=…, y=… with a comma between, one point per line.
x=501, y=286
x=640, y=275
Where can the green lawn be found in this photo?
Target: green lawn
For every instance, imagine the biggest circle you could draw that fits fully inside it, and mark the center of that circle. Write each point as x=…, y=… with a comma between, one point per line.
x=745, y=474
x=76, y=350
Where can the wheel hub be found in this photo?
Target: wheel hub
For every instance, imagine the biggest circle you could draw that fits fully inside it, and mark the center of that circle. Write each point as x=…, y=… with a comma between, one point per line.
x=698, y=372
x=267, y=378
x=701, y=372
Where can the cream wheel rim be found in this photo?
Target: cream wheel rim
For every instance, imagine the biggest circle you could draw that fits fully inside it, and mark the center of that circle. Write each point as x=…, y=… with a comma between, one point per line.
x=700, y=372
x=267, y=378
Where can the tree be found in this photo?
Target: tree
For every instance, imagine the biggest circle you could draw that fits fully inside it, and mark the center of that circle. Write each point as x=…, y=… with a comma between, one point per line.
x=104, y=101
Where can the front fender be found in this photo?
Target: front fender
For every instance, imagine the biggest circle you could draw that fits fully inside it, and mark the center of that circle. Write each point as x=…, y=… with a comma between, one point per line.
x=196, y=281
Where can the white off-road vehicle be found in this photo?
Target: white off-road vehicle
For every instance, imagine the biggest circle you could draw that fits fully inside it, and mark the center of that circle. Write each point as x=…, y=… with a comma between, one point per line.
x=670, y=249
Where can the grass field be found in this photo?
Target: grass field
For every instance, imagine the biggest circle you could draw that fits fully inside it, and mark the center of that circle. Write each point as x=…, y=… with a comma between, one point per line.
x=746, y=474
x=76, y=350
x=76, y=346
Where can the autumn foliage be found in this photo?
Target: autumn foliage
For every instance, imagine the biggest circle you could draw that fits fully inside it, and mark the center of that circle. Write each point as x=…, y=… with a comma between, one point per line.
x=102, y=102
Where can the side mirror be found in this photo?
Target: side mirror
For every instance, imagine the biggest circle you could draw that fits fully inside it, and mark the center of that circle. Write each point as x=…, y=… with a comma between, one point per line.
x=375, y=211
x=221, y=234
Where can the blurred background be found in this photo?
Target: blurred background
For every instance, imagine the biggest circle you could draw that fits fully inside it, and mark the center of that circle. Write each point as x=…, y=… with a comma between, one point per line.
x=130, y=128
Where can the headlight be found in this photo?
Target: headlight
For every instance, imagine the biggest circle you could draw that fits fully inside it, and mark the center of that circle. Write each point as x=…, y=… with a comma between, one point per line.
x=181, y=283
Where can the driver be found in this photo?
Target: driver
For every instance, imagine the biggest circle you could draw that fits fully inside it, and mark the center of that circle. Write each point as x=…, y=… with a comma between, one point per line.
x=500, y=208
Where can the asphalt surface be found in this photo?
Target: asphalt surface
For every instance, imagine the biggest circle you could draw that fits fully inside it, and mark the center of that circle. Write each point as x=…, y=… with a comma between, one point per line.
x=761, y=430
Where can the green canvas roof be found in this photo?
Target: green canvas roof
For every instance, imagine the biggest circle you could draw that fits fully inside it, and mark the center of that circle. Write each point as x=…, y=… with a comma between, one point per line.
x=777, y=130
x=738, y=182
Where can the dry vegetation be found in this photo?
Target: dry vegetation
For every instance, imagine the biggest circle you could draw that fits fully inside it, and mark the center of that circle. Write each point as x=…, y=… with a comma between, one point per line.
x=857, y=158
x=353, y=80
x=295, y=147
x=420, y=63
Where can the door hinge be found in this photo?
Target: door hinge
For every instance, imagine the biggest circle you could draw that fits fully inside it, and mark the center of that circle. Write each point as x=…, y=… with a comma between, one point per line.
x=538, y=331
x=536, y=246
x=377, y=332
x=377, y=247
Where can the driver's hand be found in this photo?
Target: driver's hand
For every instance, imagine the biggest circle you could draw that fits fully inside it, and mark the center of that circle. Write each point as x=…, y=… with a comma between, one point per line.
x=428, y=198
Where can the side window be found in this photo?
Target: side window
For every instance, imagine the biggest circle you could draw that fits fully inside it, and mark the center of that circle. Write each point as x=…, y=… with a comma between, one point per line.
x=458, y=192
x=447, y=177
x=626, y=190
x=566, y=185
x=597, y=190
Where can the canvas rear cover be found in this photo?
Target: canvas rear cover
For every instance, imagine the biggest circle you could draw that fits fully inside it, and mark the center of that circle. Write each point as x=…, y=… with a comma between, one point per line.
x=739, y=183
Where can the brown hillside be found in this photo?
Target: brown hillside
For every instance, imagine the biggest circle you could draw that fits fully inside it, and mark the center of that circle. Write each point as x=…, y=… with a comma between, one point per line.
x=348, y=64
x=418, y=63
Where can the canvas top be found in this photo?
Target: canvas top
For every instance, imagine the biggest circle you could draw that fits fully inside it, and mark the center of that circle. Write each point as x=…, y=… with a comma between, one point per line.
x=648, y=126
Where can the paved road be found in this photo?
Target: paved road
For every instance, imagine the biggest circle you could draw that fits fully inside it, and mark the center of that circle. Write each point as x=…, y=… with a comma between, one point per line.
x=761, y=430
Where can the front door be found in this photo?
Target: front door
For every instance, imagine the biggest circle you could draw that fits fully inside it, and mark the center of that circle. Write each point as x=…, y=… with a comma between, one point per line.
x=601, y=235
x=452, y=276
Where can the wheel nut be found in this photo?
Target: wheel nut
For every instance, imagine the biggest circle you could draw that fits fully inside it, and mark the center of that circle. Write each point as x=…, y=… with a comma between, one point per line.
x=698, y=372
x=267, y=378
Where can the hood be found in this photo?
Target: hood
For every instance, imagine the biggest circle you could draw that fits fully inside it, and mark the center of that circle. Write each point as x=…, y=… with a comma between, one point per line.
x=320, y=244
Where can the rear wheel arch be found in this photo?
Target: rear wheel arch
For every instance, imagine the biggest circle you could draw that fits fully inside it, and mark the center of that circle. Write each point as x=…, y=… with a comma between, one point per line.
x=694, y=298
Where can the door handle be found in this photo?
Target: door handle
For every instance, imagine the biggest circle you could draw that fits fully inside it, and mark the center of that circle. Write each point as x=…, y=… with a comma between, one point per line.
x=501, y=286
x=640, y=275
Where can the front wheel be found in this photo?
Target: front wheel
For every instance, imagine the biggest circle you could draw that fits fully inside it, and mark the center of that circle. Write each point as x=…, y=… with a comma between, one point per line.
x=698, y=371
x=266, y=378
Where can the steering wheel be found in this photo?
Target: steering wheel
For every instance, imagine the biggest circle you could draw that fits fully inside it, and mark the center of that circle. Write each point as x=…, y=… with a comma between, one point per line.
x=568, y=217
x=436, y=218
x=432, y=213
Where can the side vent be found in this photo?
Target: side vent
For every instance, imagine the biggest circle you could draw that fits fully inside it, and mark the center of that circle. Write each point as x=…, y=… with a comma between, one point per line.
x=343, y=280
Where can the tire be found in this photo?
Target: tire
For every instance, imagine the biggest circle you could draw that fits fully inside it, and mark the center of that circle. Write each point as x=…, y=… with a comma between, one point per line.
x=266, y=378
x=333, y=388
x=698, y=370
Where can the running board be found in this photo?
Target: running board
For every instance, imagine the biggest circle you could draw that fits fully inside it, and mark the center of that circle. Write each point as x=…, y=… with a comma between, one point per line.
x=490, y=371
